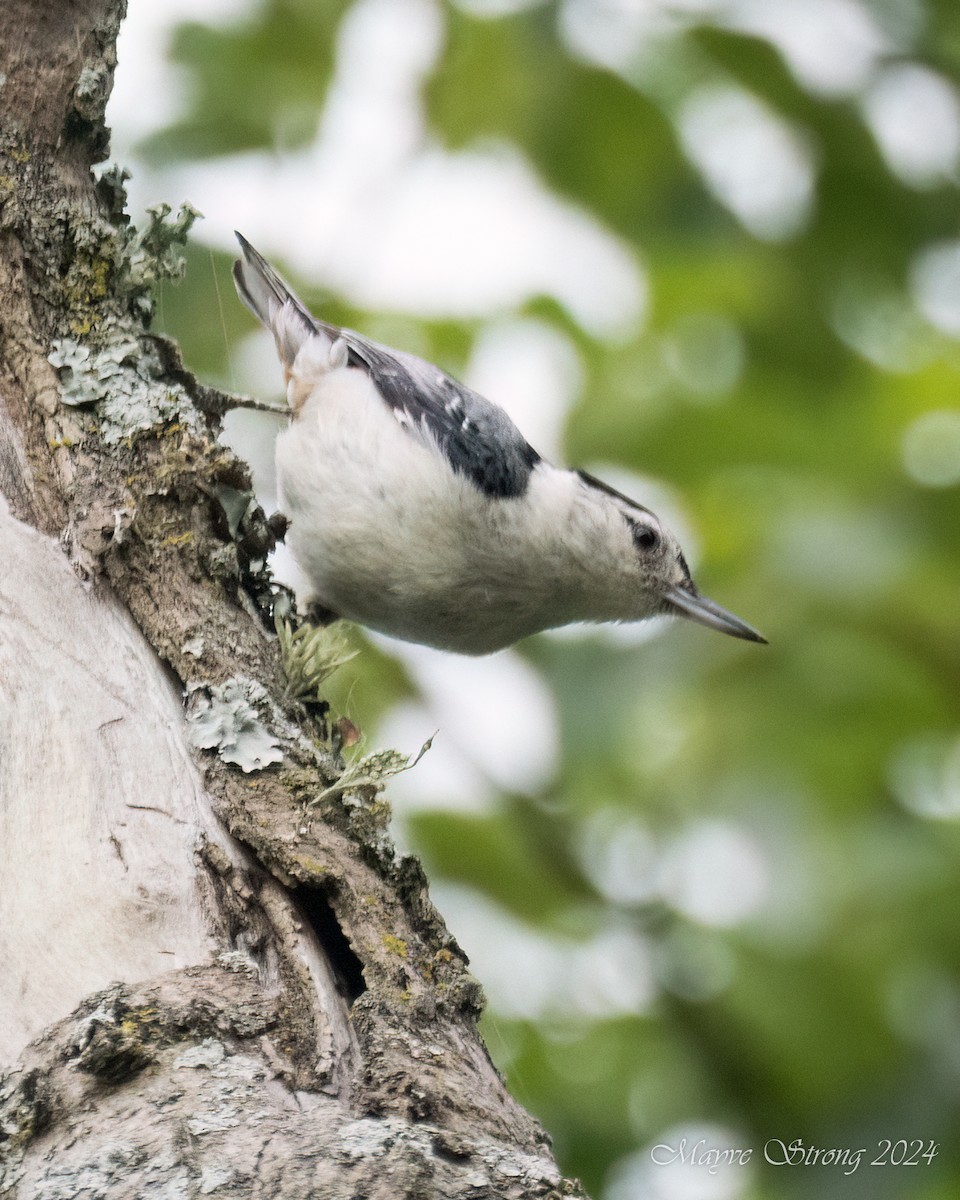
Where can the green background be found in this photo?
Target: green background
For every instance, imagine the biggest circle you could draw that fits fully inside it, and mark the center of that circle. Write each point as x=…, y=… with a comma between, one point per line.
x=781, y=384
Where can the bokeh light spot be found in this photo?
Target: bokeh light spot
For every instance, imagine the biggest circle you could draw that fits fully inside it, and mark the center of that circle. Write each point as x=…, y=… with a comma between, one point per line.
x=935, y=280
x=752, y=160
x=715, y=873
x=931, y=449
x=705, y=352
x=924, y=776
x=915, y=116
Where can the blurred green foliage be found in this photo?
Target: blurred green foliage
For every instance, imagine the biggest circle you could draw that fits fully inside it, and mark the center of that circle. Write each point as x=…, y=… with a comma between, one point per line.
x=260, y=83
x=831, y=1012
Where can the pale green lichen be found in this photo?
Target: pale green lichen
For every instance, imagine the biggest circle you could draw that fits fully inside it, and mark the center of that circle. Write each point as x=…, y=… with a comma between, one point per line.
x=122, y=374
x=93, y=88
x=226, y=720
x=194, y=646
x=156, y=252
x=72, y=363
x=209, y=1053
x=110, y=361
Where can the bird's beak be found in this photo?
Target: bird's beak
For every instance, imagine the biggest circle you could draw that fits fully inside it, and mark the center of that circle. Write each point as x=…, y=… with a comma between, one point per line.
x=689, y=603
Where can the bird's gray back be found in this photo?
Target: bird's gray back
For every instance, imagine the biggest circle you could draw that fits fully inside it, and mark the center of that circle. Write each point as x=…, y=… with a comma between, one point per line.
x=476, y=437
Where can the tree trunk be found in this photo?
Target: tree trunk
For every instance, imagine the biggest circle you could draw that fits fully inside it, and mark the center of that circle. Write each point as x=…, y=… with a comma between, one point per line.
x=232, y=984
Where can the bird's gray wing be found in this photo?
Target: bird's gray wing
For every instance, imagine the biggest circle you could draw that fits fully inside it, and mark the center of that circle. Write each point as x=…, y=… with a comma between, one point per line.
x=476, y=437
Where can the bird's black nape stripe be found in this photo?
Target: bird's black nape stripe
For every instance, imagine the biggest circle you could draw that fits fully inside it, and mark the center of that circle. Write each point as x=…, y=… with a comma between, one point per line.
x=594, y=482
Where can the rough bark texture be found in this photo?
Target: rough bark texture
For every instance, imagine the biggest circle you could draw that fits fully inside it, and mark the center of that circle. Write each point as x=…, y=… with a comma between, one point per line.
x=230, y=990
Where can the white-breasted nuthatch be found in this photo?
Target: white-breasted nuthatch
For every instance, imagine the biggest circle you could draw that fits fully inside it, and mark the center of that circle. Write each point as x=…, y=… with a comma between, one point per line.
x=417, y=508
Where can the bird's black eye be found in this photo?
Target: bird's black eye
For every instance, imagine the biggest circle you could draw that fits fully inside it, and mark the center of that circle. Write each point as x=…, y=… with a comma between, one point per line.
x=646, y=538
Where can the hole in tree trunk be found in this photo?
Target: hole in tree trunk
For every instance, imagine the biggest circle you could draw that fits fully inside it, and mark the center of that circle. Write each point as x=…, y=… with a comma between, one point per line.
x=318, y=912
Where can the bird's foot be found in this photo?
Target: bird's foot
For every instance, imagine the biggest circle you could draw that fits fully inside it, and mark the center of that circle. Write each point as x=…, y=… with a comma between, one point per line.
x=317, y=613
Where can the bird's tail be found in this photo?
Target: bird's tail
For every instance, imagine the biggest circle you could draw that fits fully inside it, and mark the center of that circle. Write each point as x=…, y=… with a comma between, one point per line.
x=273, y=303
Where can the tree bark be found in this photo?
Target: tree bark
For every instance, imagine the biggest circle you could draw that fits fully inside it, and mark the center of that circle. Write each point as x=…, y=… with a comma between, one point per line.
x=229, y=982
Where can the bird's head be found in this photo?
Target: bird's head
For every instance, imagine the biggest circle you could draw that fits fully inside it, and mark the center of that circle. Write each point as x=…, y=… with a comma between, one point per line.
x=661, y=580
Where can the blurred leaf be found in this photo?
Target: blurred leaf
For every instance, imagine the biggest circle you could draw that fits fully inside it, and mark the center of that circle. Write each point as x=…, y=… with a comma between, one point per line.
x=593, y=137
x=257, y=84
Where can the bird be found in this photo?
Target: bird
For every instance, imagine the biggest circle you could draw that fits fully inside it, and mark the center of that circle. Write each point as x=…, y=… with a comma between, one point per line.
x=417, y=508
